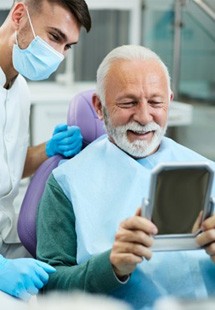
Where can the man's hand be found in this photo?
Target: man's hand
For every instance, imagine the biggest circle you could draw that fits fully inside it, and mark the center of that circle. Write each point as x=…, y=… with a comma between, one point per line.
x=206, y=239
x=132, y=244
x=197, y=224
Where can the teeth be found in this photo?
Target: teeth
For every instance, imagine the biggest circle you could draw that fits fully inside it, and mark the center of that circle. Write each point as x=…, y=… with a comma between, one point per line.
x=141, y=132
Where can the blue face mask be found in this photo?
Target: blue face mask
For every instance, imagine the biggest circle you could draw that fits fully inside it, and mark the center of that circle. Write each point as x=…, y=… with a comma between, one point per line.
x=38, y=61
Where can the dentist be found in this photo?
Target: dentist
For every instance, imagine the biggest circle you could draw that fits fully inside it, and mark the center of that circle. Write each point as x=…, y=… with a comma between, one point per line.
x=34, y=39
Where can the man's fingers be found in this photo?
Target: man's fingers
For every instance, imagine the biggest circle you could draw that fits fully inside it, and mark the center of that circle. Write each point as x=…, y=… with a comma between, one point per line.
x=209, y=223
x=139, y=223
x=130, y=252
x=138, y=212
x=206, y=237
x=210, y=249
x=197, y=223
x=135, y=236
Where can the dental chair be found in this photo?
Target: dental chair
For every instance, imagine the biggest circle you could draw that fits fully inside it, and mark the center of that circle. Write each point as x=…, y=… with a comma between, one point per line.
x=80, y=113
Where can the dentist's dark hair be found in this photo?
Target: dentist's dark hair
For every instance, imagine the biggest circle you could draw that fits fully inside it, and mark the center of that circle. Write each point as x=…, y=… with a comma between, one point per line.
x=78, y=8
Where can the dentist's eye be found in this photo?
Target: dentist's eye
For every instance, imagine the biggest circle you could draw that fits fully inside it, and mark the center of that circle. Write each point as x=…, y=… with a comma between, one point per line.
x=54, y=37
x=68, y=46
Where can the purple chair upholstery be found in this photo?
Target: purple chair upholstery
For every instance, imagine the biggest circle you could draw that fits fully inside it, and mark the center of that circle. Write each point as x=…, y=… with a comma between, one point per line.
x=80, y=113
x=27, y=217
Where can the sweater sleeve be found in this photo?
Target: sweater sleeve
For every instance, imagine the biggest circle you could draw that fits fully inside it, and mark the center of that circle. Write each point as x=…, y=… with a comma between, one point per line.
x=57, y=246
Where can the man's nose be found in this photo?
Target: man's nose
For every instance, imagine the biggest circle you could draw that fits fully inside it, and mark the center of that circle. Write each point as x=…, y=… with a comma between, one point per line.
x=143, y=113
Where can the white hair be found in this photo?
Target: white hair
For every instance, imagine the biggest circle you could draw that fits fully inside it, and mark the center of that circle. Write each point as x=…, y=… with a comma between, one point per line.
x=125, y=52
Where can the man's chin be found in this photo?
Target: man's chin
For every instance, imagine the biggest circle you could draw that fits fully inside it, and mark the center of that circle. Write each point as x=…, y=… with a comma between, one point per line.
x=138, y=149
x=139, y=155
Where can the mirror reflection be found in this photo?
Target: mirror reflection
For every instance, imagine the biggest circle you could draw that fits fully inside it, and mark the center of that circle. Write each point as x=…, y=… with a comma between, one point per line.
x=179, y=200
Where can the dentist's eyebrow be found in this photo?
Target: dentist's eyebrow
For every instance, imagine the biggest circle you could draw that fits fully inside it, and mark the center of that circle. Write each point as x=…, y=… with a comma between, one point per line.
x=62, y=35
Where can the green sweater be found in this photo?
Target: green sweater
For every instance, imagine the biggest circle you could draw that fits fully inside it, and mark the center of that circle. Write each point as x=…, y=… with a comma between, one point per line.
x=57, y=246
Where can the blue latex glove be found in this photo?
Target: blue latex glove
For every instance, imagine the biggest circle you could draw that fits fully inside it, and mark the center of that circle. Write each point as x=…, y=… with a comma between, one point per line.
x=66, y=140
x=23, y=277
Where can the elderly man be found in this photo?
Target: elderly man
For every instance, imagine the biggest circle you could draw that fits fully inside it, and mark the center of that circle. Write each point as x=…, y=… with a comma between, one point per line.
x=34, y=39
x=89, y=225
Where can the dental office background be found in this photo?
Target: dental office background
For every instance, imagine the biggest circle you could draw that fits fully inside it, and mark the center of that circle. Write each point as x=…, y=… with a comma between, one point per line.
x=182, y=32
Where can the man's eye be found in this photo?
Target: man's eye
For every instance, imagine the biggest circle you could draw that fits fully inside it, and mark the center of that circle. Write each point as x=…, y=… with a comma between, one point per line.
x=155, y=102
x=126, y=105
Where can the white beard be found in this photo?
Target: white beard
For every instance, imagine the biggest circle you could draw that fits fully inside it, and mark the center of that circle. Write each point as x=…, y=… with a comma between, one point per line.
x=137, y=148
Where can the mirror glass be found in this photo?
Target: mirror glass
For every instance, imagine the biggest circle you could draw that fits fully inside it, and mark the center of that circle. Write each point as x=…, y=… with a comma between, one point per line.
x=180, y=196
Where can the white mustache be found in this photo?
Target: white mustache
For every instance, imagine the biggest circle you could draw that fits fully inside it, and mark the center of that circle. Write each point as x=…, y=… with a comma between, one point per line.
x=152, y=126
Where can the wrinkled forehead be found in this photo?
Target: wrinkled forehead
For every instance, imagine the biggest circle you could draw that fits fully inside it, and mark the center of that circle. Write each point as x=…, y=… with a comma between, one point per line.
x=128, y=73
x=125, y=66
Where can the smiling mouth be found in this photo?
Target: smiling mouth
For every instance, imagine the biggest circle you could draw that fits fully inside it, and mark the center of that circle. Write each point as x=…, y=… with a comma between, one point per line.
x=141, y=133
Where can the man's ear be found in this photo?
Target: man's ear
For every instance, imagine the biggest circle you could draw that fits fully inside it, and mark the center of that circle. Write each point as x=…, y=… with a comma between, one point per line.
x=17, y=13
x=97, y=106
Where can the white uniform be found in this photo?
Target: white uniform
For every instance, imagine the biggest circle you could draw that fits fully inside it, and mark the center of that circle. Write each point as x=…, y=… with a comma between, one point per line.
x=14, y=137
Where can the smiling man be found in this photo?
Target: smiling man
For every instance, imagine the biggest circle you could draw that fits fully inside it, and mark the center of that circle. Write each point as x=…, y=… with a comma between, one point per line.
x=34, y=39
x=89, y=224
x=136, y=105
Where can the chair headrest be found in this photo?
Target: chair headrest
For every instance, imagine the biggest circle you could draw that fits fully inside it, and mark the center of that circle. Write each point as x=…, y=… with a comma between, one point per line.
x=81, y=113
